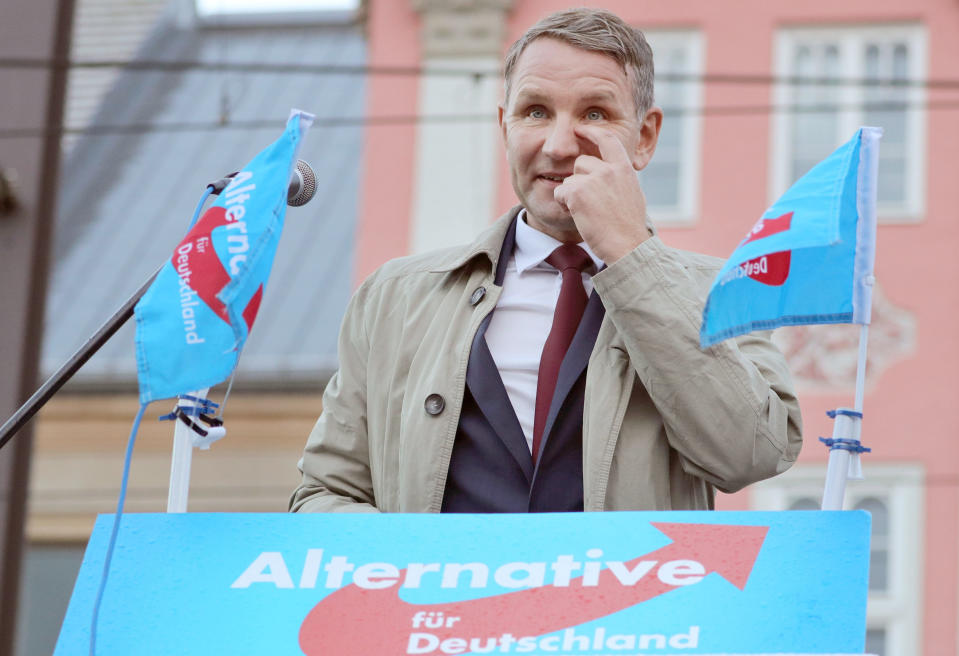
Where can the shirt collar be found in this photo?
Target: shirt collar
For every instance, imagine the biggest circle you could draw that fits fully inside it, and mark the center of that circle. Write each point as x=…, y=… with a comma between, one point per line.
x=533, y=246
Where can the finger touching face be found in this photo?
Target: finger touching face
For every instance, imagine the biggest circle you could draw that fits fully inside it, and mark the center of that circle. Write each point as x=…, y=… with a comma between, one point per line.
x=610, y=147
x=607, y=144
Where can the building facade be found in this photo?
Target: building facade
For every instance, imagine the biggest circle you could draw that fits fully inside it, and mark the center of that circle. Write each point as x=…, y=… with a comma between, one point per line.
x=753, y=93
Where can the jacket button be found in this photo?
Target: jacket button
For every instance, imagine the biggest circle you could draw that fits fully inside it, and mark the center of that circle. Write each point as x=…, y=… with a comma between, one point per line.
x=434, y=404
x=478, y=295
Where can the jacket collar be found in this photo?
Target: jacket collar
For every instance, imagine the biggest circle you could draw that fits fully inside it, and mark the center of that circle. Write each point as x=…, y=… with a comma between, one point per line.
x=489, y=243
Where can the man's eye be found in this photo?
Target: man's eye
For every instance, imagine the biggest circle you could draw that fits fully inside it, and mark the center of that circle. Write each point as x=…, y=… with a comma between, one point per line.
x=595, y=115
x=536, y=112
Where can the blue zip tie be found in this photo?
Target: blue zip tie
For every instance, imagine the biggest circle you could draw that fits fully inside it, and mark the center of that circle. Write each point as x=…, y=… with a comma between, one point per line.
x=203, y=406
x=848, y=413
x=192, y=411
x=195, y=399
x=853, y=446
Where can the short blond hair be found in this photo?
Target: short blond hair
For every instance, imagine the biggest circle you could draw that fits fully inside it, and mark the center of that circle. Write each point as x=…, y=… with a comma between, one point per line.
x=595, y=30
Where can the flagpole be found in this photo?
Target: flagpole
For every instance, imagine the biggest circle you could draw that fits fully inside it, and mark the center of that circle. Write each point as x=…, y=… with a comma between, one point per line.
x=844, y=446
x=195, y=426
x=861, y=366
x=182, y=458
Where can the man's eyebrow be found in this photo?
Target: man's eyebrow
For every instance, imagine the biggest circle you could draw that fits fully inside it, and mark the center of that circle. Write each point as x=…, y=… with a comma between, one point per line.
x=598, y=97
x=533, y=95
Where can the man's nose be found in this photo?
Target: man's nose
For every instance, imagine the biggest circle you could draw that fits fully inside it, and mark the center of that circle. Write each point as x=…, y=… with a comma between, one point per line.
x=561, y=142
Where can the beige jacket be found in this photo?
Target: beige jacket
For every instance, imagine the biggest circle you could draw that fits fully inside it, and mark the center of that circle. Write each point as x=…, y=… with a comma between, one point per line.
x=664, y=421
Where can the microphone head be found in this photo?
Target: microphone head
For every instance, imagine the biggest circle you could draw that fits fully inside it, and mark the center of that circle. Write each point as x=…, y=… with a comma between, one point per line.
x=302, y=185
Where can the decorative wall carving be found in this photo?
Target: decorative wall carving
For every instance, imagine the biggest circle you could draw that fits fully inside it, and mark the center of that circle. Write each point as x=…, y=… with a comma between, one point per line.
x=458, y=28
x=823, y=358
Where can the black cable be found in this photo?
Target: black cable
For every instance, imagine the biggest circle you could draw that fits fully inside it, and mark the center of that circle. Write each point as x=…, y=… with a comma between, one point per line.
x=211, y=126
x=177, y=66
x=363, y=121
x=363, y=69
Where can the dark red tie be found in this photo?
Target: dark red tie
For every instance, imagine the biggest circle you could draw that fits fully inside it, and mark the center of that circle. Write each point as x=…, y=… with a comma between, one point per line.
x=571, y=260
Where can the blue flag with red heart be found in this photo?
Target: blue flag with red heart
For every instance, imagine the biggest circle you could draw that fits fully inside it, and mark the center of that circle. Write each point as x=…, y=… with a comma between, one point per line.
x=809, y=259
x=192, y=322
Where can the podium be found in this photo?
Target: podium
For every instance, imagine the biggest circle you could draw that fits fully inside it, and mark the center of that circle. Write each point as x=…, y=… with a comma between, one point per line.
x=589, y=584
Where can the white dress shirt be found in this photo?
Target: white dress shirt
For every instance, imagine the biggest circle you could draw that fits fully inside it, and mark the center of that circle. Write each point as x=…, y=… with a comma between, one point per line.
x=523, y=317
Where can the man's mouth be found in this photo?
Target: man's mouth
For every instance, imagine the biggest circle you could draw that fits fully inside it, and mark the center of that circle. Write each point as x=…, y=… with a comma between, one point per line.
x=554, y=177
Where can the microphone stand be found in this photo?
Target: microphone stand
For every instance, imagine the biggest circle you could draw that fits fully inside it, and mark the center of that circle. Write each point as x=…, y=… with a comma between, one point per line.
x=71, y=366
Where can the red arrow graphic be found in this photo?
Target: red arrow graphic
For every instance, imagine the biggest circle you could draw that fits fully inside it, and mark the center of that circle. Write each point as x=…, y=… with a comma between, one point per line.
x=198, y=265
x=769, y=226
x=362, y=621
x=772, y=269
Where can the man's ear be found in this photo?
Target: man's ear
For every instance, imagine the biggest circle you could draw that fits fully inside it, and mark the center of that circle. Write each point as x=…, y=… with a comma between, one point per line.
x=500, y=113
x=648, y=138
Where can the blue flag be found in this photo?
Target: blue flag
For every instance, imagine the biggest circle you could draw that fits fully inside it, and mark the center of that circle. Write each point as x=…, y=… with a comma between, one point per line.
x=810, y=258
x=194, y=319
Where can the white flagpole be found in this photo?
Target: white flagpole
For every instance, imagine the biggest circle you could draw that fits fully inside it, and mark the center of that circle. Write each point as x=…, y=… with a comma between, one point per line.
x=182, y=458
x=844, y=446
x=861, y=366
x=185, y=439
x=847, y=429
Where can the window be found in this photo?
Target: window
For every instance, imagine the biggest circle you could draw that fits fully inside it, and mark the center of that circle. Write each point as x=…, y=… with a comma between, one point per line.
x=875, y=70
x=266, y=12
x=892, y=494
x=671, y=181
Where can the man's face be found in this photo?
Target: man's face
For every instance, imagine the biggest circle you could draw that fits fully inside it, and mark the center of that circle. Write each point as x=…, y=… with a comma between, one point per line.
x=555, y=88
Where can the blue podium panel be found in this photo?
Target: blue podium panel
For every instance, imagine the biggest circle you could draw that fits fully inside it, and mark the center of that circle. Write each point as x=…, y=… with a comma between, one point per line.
x=585, y=583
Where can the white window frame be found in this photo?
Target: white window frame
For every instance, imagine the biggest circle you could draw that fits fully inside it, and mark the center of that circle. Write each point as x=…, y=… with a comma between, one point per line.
x=898, y=609
x=850, y=40
x=688, y=123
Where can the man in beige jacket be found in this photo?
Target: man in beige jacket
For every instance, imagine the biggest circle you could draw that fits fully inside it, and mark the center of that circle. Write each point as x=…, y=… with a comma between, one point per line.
x=442, y=403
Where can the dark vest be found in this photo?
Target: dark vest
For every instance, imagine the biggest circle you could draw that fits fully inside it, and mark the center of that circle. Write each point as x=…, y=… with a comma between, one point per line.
x=491, y=469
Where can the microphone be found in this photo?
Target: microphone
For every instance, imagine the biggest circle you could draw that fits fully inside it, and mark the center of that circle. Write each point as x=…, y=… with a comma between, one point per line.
x=302, y=185
x=300, y=192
